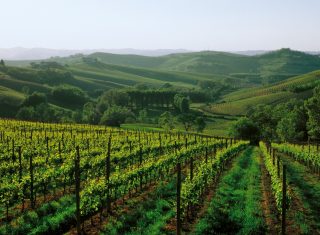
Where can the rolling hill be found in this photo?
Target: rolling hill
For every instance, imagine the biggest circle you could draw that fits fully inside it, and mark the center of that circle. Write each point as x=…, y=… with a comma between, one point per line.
x=239, y=102
x=265, y=68
x=101, y=71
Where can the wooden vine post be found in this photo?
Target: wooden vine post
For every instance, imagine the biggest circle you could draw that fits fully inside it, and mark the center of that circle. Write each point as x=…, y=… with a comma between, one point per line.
x=20, y=177
x=20, y=164
x=31, y=181
x=278, y=166
x=178, y=197
x=191, y=168
x=48, y=151
x=140, y=163
x=206, y=155
x=77, y=182
x=108, y=175
x=13, y=155
x=284, y=201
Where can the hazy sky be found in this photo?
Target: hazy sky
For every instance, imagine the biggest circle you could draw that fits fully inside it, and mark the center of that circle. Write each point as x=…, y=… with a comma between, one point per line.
x=158, y=24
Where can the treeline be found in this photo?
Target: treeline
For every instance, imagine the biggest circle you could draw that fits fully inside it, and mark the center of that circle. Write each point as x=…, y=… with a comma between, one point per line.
x=162, y=98
x=295, y=120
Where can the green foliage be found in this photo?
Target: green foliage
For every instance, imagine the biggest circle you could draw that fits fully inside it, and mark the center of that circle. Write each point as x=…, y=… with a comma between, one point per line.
x=26, y=113
x=187, y=120
x=69, y=95
x=285, y=122
x=111, y=98
x=181, y=103
x=313, y=107
x=150, y=216
x=115, y=116
x=43, y=112
x=292, y=125
x=143, y=116
x=46, y=65
x=90, y=113
x=200, y=124
x=205, y=172
x=35, y=99
x=276, y=182
x=246, y=129
x=2, y=62
x=166, y=121
x=300, y=153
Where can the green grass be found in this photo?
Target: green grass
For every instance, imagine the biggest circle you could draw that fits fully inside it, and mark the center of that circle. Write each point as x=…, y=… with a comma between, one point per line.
x=10, y=96
x=240, y=107
x=306, y=187
x=149, y=216
x=218, y=127
x=236, y=206
x=46, y=219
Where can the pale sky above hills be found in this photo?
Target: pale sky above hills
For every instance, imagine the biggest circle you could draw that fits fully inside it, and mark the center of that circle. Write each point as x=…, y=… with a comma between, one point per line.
x=225, y=25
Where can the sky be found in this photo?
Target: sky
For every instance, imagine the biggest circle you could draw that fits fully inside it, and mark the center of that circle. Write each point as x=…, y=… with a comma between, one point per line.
x=223, y=25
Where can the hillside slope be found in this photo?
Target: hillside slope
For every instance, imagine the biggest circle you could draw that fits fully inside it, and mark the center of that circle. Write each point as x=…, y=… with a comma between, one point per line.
x=266, y=68
x=239, y=102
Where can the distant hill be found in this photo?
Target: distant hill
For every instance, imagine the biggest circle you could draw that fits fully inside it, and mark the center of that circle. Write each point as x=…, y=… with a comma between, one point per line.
x=20, y=53
x=250, y=52
x=99, y=71
x=265, y=68
x=260, y=69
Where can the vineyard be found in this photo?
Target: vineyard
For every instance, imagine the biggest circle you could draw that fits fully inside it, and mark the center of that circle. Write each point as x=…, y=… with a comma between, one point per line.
x=83, y=179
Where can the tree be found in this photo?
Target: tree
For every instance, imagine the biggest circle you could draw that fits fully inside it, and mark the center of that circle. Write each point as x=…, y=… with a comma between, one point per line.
x=166, y=121
x=313, y=106
x=26, y=113
x=77, y=116
x=261, y=116
x=112, y=98
x=181, y=103
x=200, y=124
x=45, y=113
x=245, y=128
x=35, y=99
x=69, y=95
x=115, y=116
x=292, y=126
x=25, y=90
x=2, y=62
x=90, y=114
x=143, y=116
x=187, y=120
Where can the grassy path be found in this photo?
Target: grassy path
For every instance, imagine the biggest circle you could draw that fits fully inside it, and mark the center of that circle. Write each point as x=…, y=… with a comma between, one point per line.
x=271, y=214
x=236, y=207
x=148, y=216
x=306, y=189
